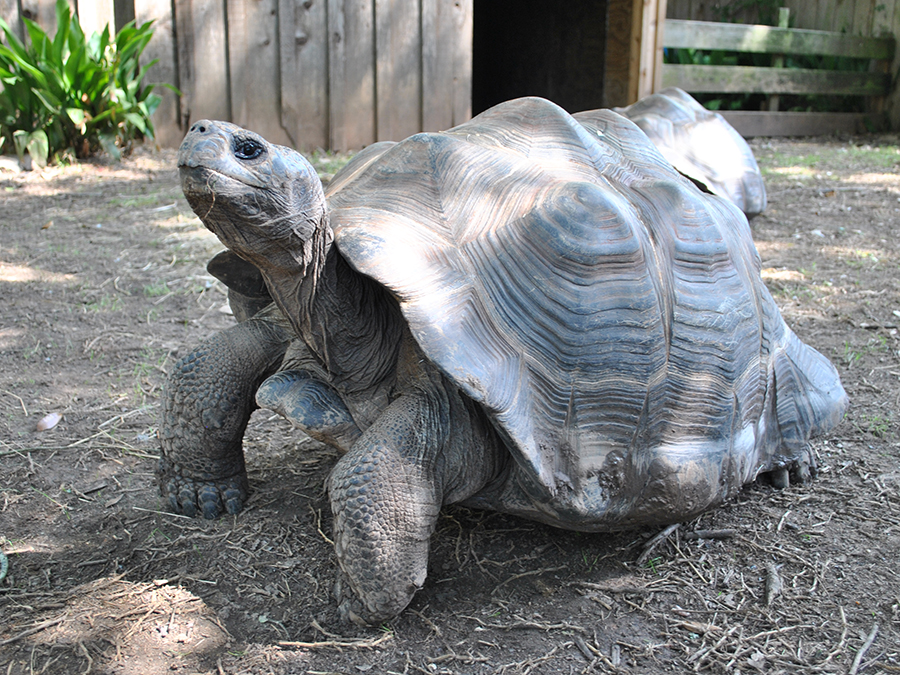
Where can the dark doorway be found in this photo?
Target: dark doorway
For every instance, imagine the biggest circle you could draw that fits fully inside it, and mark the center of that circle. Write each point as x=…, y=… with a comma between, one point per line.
x=538, y=48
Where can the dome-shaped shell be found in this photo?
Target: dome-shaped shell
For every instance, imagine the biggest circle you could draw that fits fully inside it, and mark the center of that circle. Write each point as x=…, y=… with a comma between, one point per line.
x=701, y=145
x=608, y=315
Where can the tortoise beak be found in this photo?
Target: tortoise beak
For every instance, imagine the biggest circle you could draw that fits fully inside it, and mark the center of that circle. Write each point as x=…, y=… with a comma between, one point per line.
x=204, y=144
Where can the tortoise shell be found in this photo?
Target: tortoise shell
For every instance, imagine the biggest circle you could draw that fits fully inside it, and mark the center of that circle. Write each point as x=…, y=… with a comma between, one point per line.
x=608, y=315
x=701, y=144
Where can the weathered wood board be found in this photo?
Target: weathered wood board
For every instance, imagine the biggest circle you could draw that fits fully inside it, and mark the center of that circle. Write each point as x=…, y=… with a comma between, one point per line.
x=161, y=49
x=254, y=61
x=352, y=109
x=9, y=12
x=750, y=79
x=767, y=39
x=96, y=15
x=750, y=123
x=446, y=63
x=202, y=60
x=303, y=64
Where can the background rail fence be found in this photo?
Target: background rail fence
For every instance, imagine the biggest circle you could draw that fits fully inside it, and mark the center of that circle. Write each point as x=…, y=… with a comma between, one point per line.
x=758, y=39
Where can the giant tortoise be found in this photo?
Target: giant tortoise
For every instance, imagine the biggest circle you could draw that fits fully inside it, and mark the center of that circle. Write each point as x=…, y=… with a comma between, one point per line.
x=527, y=313
x=702, y=145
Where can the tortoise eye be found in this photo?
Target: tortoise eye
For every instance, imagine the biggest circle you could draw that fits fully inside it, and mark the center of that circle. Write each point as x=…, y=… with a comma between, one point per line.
x=247, y=148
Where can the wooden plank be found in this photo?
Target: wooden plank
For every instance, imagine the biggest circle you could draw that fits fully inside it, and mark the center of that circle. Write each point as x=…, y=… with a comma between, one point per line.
x=803, y=14
x=9, y=12
x=749, y=79
x=398, y=79
x=464, y=23
x=253, y=60
x=96, y=15
x=883, y=17
x=351, y=59
x=862, y=17
x=825, y=15
x=162, y=47
x=202, y=60
x=43, y=13
x=303, y=61
x=768, y=39
x=446, y=63
x=620, y=65
x=124, y=12
x=842, y=15
x=652, y=28
x=751, y=123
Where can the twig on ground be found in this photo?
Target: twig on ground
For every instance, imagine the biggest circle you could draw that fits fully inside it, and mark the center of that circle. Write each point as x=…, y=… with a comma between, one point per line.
x=34, y=629
x=656, y=541
x=529, y=573
x=711, y=534
x=339, y=644
x=862, y=650
x=774, y=585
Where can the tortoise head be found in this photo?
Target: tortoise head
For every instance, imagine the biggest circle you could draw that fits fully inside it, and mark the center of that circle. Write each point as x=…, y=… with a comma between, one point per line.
x=263, y=201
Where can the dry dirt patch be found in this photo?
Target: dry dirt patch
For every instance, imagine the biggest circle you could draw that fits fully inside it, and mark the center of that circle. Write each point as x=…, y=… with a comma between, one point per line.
x=103, y=284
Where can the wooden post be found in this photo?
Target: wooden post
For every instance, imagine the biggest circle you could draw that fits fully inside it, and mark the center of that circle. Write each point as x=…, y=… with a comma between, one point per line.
x=653, y=18
x=784, y=15
x=398, y=69
x=446, y=63
x=620, y=68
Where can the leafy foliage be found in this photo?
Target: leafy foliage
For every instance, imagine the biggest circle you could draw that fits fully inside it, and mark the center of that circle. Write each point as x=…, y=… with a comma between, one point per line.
x=74, y=92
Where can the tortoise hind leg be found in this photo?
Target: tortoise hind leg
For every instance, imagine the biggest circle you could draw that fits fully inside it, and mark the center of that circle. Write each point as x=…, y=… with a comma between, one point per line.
x=809, y=401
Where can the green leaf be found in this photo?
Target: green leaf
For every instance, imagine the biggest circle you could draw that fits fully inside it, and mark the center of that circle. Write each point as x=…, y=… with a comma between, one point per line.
x=20, y=140
x=76, y=115
x=39, y=148
x=138, y=121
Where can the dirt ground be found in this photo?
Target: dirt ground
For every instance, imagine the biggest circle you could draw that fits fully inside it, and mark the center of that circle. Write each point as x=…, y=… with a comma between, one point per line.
x=103, y=282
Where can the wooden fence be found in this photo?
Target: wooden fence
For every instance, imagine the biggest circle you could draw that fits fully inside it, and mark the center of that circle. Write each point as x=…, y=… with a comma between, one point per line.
x=337, y=74
x=873, y=18
x=866, y=18
x=341, y=74
x=776, y=80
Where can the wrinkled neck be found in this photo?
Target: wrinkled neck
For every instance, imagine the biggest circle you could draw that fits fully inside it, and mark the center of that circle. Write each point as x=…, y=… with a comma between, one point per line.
x=350, y=323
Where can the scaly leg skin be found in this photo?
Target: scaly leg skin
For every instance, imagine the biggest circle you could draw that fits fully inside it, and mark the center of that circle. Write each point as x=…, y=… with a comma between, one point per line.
x=386, y=493
x=207, y=403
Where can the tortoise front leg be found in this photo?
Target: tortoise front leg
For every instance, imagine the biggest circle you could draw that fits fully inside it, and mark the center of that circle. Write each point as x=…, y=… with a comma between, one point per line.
x=207, y=403
x=386, y=493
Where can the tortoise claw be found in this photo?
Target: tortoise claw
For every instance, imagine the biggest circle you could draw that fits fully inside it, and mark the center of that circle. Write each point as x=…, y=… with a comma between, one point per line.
x=211, y=498
x=800, y=472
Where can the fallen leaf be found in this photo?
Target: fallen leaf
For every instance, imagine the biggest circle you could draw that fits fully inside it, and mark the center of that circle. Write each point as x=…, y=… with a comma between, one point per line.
x=48, y=421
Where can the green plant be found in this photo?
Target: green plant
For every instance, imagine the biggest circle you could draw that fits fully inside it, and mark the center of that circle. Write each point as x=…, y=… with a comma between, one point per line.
x=73, y=91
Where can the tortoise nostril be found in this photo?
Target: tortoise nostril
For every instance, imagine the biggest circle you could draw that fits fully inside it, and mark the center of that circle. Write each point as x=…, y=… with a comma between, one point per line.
x=199, y=127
